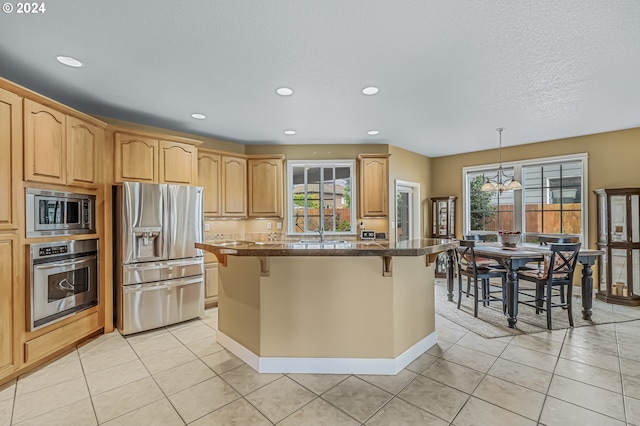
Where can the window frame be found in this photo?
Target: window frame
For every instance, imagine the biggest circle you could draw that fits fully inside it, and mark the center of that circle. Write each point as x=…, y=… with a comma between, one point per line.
x=519, y=207
x=351, y=164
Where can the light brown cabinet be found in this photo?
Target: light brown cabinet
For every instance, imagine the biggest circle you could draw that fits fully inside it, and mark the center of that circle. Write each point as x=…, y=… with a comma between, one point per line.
x=209, y=180
x=234, y=186
x=135, y=159
x=58, y=148
x=9, y=356
x=10, y=159
x=84, y=143
x=373, y=185
x=44, y=143
x=265, y=187
x=210, y=284
x=178, y=163
x=224, y=179
x=141, y=158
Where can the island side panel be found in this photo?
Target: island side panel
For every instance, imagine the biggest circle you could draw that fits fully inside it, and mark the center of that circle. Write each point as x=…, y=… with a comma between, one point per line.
x=413, y=301
x=327, y=307
x=239, y=301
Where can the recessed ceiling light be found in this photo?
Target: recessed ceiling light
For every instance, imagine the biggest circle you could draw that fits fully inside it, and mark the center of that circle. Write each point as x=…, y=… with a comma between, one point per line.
x=69, y=61
x=371, y=90
x=198, y=116
x=289, y=132
x=284, y=91
x=373, y=132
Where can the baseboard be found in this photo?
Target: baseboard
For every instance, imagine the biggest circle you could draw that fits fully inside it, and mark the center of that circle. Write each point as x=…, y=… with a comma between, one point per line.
x=383, y=366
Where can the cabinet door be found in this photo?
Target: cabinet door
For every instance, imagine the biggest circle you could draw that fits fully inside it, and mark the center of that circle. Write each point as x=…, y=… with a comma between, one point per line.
x=8, y=356
x=374, y=187
x=178, y=163
x=83, y=143
x=10, y=159
x=234, y=186
x=209, y=179
x=210, y=283
x=44, y=144
x=136, y=158
x=265, y=187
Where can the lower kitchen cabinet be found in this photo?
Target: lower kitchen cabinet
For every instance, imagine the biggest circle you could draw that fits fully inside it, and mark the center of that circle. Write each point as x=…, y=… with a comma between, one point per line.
x=9, y=358
x=210, y=284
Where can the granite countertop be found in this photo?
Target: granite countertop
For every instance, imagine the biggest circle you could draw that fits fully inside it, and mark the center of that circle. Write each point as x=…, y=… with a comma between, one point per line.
x=417, y=247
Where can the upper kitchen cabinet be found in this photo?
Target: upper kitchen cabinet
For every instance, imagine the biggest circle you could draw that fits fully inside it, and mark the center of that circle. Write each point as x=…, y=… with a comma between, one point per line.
x=373, y=178
x=84, y=142
x=151, y=159
x=11, y=158
x=178, y=163
x=265, y=186
x=44, y=143
x=59, y=148
x=234, y=186
x=136, y=158
x=209, y=180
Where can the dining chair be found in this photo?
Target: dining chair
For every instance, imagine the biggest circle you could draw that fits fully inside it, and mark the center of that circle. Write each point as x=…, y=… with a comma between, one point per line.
x=557, y=239
x=480, y=274
x=481, y=260
x=554, y=280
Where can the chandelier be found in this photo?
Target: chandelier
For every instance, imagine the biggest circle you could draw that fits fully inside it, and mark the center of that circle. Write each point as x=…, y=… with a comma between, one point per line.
x=500, y=182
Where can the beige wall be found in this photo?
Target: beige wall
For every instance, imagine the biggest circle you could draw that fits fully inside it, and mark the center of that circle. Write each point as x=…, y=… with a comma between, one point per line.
x=409, y=166
x=613, y=163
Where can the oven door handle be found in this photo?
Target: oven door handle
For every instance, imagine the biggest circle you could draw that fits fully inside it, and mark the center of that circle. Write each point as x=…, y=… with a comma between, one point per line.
x=65, y=264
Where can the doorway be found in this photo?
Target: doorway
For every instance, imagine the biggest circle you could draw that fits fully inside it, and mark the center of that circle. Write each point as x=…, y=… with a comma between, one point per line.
x=407, y=223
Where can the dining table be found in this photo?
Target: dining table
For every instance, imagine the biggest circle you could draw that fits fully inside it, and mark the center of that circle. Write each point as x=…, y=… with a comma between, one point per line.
x=515, y=258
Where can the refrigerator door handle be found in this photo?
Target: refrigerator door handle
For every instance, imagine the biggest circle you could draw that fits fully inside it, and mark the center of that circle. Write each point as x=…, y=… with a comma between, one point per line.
x=184, y=262
x=168, y=285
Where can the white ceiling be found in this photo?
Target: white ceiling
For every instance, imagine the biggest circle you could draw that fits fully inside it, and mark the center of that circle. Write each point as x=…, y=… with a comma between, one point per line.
x=449, y=72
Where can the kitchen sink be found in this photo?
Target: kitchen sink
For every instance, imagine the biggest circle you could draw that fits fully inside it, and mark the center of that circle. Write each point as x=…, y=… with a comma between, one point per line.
x=322, y=242
x=232, y=243
x=327, y=244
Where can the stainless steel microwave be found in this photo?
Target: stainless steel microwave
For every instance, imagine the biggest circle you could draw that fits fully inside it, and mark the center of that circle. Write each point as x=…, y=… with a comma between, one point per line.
x=59, y=213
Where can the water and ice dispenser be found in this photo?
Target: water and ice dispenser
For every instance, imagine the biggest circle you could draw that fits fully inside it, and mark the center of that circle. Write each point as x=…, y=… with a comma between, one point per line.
x=148, y=242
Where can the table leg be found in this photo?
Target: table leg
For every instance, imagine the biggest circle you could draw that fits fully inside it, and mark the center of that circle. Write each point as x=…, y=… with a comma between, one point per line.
x=587, y=286
x=512, y=294
x=450, y=263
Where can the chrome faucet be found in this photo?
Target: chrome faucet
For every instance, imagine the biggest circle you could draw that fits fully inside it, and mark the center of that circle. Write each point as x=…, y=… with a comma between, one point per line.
x=321, y=232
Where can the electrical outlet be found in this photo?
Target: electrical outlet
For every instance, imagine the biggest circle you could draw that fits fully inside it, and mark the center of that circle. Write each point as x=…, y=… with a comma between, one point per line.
x=279, y=225
x=269, y=225
x=206, y=227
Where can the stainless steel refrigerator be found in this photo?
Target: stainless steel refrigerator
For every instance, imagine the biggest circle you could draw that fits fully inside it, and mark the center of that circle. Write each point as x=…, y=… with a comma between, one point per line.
x=159, y=272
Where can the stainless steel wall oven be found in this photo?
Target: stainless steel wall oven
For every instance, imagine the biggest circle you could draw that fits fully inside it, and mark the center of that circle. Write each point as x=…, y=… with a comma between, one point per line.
x=64, y=280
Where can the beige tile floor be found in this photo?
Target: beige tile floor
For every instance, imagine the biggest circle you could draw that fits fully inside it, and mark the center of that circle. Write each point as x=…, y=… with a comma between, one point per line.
x=180, y=375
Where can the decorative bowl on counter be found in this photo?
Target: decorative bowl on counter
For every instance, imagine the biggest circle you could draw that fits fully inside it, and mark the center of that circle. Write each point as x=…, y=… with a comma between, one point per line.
x=509, y=238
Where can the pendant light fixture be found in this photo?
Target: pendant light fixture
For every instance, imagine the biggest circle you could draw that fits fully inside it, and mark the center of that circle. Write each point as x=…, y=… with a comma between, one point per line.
x=500, y=182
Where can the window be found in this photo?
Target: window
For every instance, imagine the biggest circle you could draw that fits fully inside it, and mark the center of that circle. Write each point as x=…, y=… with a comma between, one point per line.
x=489, y=211
x=320, y=194
x=551, y=200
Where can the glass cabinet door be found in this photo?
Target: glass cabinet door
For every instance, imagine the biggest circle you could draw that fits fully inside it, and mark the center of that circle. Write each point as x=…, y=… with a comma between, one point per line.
x=618, y=218
x=619, y=237
x=635, y=219
x=602, y=219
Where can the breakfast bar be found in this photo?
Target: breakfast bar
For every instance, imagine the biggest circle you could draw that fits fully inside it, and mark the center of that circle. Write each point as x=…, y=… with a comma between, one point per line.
x=349, y=307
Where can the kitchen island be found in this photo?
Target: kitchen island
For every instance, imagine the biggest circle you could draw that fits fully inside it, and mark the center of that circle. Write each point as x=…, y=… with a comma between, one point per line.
x=333, y=307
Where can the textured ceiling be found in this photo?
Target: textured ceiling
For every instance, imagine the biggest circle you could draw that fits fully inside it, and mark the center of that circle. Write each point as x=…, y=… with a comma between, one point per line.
x=449, y=72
